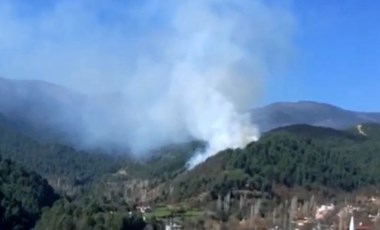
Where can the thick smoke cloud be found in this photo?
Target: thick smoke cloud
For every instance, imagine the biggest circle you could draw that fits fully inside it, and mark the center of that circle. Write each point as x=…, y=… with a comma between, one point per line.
x=182, y=69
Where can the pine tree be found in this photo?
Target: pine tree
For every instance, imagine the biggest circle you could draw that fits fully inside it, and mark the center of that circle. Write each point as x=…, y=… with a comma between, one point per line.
x=226, y=205
x=312, y=204
x=219, y=204
x=257, y=208
x=241, y=203
x=306, y=209
x=292, y=210
x=274, y=215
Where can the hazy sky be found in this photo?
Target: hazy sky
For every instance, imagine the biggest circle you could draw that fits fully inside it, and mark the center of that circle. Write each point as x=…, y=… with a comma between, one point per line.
x=334, y=57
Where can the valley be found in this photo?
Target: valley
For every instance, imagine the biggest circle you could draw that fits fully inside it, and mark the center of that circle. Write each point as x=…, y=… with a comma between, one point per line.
x=285, y=179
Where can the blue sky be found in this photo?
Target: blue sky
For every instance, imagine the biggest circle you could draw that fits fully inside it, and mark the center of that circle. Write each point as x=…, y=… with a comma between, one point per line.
x=337, y=56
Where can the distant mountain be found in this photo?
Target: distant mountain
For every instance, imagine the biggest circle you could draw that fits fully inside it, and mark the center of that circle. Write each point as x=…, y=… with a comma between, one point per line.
x=306, y=112
x=40, y=109
x=54, y=113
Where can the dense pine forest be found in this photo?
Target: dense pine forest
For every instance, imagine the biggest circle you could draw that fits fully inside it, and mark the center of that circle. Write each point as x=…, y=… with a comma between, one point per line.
x=23, y=195
x=294, y=156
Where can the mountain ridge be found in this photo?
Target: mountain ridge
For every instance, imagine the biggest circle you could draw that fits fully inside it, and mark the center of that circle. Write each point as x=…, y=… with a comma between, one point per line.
x=281, y=114
x=53, y=113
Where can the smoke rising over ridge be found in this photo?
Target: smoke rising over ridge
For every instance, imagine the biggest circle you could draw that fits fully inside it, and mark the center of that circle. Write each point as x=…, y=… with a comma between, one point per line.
x=183, y=69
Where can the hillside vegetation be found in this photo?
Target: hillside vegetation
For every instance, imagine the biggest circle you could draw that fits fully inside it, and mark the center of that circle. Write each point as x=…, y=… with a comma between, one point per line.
x=89, y=214
x=23, y=194
x=60, y=164
x=295, y=156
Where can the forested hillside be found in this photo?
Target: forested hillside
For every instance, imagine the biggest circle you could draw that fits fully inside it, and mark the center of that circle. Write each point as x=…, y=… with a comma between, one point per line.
x=61, y=165
x=23, y=194
x=65, y=166
x=26, y=199
x=301, y=155
x=167, y=161
x=89, y=213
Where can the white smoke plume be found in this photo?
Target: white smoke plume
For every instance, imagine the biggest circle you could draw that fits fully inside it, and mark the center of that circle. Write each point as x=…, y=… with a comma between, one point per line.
x=187, y=69
x=213, y=61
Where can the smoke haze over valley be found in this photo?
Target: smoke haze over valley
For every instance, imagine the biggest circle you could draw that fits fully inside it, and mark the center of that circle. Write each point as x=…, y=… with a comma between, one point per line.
x=142, y=78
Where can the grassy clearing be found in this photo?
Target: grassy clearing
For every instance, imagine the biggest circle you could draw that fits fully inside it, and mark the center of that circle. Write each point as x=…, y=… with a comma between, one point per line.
x=161, y=212
x=165, y=211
